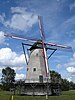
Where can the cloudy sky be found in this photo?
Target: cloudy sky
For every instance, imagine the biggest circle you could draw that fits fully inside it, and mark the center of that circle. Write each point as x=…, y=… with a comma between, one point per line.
x=19, y=17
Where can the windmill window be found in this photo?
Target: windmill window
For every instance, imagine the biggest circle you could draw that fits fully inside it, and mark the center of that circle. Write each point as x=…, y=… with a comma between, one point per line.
x=34, y=69
x=27, y=69
x=36, y=54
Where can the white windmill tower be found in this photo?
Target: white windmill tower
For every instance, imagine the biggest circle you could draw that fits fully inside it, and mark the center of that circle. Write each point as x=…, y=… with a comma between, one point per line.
x=38, y=77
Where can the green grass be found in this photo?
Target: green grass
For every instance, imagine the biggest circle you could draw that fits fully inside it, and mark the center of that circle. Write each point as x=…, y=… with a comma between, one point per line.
x=66, y=95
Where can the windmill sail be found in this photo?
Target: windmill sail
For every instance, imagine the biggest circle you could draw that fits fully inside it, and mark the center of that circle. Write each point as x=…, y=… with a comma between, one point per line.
x=58, y=47
x=49, y=45
x=44, y=50
x=19, y=38
x=41, y=28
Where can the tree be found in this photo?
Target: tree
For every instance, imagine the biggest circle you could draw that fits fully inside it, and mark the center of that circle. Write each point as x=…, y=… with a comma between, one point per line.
x=55, y=77
x=65, y=85
x=8, y=78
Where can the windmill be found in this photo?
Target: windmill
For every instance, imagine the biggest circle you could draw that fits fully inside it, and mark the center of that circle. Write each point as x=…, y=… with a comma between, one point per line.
x=38, y=76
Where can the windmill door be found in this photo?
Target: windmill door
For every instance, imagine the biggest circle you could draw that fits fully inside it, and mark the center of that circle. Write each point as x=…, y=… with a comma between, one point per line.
x=41, y=79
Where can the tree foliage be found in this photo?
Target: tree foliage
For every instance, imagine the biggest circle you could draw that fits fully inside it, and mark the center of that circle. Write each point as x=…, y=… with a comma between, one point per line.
x=65, y=84
x=8, y=78
x=55, y=77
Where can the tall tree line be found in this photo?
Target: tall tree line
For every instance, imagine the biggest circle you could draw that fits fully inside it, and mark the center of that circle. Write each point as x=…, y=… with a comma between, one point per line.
x=65, y=84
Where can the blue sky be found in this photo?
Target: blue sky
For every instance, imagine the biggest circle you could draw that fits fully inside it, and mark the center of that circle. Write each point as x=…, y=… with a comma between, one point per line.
x=19, y=17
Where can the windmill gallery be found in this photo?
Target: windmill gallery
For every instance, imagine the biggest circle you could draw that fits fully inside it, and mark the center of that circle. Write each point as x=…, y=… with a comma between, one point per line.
x=38, y=80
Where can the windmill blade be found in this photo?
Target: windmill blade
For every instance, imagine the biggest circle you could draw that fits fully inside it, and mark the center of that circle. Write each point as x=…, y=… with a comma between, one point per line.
x=41, y=28
x=44, y=49
x=49, y=44
x=58, y=46
x=20, y=38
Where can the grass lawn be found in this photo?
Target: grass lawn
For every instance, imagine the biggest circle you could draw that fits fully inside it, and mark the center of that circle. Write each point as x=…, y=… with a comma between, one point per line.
x=67, y=95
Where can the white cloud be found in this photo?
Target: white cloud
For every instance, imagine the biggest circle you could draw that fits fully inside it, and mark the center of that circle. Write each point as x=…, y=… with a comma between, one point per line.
x=69, y=79
x=20, y=76
x=21, y=19
x=71, y=69
x=12, y=59
x=21, y=10
x=18, y=60
x=6, y=55
x=1, y=18
x=58, y=66
x=0, y=70
x=74, y=55
x=71, y=65
x=2, y=37
x=71, y=62
x=17, y=68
